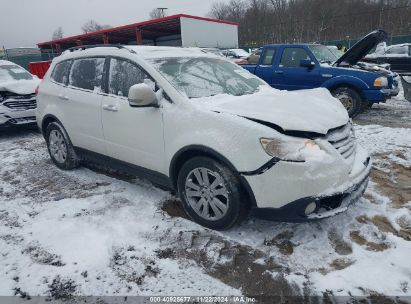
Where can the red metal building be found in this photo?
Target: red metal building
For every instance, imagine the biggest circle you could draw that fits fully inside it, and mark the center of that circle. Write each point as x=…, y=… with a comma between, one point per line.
x=177, y=30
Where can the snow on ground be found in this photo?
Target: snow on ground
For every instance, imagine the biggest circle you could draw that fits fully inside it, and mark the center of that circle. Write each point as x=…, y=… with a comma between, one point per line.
x=96, y=232
x=84, y=233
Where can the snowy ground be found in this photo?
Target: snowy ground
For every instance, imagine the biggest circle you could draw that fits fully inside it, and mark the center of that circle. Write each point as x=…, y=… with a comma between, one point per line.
x=95, y=232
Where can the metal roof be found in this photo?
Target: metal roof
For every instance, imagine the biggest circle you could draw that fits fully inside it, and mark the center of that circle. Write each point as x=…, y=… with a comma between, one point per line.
x=151, y=29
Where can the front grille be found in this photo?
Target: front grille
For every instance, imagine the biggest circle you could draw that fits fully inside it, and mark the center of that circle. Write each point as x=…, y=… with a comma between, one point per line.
x=21, y=102
x=343, y=139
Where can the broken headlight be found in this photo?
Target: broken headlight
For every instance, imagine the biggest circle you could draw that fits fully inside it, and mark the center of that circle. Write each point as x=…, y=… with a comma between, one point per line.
x=292, y=149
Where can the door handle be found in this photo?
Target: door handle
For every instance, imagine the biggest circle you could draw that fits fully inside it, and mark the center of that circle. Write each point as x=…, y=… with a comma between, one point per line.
x=279, y=72
x=62, y=97
x=110, y=108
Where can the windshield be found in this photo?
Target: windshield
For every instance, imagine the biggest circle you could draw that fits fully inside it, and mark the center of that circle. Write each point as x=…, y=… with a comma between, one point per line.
x=337, y=53
x=203, y=76
x=323, y=54
x=13, y=72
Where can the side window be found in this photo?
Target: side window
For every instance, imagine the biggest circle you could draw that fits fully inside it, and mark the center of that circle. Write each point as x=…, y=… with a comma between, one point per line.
x=292, y=56
x=60, y=72
x=87, y=73
x=398, y=50
x=123, y=75
x=268, y=57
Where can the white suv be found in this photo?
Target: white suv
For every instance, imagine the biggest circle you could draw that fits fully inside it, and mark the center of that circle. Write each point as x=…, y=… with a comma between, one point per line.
x=194, y=122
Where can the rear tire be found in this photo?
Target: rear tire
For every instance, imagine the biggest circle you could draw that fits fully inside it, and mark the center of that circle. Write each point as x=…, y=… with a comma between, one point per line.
x=350, y=99
x=60, y=147
x=211, y=193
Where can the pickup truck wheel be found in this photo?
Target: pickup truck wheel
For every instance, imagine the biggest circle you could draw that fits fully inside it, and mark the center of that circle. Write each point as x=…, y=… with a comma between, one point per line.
x=60, y=148
x=350, y=99
x=211, y=193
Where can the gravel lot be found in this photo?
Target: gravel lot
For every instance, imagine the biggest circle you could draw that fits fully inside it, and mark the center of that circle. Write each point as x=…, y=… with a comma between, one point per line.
x=96, y=232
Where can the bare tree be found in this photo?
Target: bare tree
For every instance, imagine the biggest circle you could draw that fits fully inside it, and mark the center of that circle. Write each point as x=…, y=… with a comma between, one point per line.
x=158, y=13
x=289, y=21
x=94, y=26
x=58, y=33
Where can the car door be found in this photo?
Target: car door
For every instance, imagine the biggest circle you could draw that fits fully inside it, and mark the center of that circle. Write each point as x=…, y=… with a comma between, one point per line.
x=133, y=134
x=265, y=69
x=54, y=92
x=83, y=98
x=290, y=75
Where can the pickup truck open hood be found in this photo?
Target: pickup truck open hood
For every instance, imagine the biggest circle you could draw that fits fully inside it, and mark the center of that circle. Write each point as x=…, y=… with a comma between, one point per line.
x=21, y=87
x=306, y=110
x=359, y=50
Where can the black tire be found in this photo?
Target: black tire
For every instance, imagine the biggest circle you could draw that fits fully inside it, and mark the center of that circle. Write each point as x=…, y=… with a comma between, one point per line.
x=350, y=99
x=366, y=105
x=237, y=209
x=70, y=161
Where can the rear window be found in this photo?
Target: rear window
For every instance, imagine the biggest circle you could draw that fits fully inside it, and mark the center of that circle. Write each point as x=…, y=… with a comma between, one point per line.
x=60, y=72
x=268, y=57
x=13, y=72
x=87, y=74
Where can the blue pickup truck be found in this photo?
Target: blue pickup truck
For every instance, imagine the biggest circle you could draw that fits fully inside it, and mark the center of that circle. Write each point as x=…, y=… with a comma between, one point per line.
x=307, y=66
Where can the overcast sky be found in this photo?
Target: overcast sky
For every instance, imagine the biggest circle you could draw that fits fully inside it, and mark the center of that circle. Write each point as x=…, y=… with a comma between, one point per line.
x=27, y=22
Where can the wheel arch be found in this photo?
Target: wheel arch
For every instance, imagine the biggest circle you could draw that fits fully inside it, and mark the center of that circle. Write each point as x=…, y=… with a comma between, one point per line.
x=354, y=83
x=348, y=85
x=188, y=152
x=47, y=119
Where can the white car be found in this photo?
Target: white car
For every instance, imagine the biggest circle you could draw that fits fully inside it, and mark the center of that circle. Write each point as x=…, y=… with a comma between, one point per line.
x=191, y=121
x=17, y=95
x=236, y=53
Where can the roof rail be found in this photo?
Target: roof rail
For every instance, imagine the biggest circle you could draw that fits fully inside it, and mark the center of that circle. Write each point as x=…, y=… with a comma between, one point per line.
x=90, y=46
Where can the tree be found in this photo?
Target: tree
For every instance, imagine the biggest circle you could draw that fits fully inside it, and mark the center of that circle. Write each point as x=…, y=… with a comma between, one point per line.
x=58, y=33
x=94, y=26
x=157, y=13
x=288, y=21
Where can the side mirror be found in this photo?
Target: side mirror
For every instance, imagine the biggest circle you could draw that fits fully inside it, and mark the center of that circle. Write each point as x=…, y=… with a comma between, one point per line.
x=306, y=63
x=141, y=95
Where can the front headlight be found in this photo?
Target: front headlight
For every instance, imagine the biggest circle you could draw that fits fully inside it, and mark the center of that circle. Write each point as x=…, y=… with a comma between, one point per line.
x=381, y=82
x=292, y=149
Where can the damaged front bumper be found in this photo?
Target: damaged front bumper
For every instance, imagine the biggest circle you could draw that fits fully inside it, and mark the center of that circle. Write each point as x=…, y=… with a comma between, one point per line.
x=335, y=197
x=391, y=92
x=9, y=118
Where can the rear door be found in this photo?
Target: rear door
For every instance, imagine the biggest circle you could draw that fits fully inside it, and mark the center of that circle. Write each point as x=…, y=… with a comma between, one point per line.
x=83, y=98
x=289, y=75
x=54, y=92
x=133, y=134
x=265, y=69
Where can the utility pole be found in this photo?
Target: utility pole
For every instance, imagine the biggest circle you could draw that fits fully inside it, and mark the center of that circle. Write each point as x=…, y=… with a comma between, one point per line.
x=162, y=11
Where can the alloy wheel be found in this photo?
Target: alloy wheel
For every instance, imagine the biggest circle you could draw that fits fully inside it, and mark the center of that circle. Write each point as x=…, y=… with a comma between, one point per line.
x=346, y=100
x=207, y=194
x=57, y=145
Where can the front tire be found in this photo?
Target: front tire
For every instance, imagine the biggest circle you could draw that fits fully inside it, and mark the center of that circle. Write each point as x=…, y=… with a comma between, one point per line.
x=60, y=148
x=211, y=193
x=350, y=99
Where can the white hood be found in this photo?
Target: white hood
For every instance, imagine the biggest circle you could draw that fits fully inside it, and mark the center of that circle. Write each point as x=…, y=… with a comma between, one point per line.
x=21, y=87
x=306, y=110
